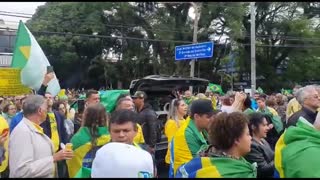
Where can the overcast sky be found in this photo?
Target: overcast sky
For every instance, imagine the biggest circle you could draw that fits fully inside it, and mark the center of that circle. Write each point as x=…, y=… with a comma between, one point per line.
x=18, y=7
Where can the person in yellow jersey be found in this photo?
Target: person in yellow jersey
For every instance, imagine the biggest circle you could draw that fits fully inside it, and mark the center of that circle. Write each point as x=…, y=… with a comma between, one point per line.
x=293, y=105
x=192, y=136
x=53, y=126
x=55, y=129
x=4, y=140
x=31, y=151
x=177, y=111
x=127, y=103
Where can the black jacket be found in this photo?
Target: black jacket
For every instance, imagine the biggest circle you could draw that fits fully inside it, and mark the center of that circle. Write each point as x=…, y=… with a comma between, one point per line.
x=263, y=156
x=63, y=136
x=148, y=121
x=305, y=113
x=42, y=90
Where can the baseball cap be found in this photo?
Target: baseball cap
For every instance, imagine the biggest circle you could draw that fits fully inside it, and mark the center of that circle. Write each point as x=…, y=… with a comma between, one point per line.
x=202, y=106
x=115, y=160
x=139, y=94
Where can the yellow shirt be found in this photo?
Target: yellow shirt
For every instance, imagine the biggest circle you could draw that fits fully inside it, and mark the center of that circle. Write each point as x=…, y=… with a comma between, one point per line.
x=170, y=129
x=273, y=111
x=292, y=107
x=4, y=125
x=38, y=128
x=139, y=139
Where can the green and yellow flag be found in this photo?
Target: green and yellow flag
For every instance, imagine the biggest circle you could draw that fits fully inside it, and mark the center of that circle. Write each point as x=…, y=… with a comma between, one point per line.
x=260, y=90
x=80, y=164
x=297, y=151
x=4, y=126
x=29, y=57
x=217, y=167
x=215, y=88
x=109, y=98
x=286, y=91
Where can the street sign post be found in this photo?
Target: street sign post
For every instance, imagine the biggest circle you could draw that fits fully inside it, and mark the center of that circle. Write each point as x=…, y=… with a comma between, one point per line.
x=194, y=51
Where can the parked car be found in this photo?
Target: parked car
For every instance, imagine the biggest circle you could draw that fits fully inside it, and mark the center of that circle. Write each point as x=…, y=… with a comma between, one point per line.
x=160, y=90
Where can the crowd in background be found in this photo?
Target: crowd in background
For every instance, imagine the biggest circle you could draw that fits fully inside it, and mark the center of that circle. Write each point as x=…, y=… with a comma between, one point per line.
x=209, y=135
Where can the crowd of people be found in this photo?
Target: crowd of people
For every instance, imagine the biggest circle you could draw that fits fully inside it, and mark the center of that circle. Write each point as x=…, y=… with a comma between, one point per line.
x=209, y=135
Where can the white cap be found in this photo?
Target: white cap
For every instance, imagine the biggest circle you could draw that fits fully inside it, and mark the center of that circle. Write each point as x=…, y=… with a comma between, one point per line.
x=115, y=160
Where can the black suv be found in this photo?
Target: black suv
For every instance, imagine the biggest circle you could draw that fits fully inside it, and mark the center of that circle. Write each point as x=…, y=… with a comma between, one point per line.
x=160, y=90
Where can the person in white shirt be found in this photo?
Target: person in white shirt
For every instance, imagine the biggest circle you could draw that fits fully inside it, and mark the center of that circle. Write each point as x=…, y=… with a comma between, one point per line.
x=120, y=160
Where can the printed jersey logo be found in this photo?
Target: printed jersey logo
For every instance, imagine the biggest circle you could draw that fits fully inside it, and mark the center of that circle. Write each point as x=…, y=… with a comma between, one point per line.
x=144, y=174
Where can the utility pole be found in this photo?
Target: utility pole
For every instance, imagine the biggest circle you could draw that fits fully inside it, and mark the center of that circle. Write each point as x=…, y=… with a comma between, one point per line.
x=195, y=33
x=253, y=48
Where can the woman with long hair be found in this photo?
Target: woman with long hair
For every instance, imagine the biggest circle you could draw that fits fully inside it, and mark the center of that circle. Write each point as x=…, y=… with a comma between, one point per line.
x=60, y=107
x=177, y=111
x=90, y=137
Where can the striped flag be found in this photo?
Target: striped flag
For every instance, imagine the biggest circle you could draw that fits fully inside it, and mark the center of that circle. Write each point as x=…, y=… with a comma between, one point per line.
x=215, y=88
x=217, y=167
x=80, y=164
x=29, y=57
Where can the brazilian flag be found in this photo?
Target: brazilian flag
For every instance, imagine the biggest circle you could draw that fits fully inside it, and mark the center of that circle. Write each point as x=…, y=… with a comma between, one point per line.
x=286, y=91
x=107, y=98
x=297, y=151
x=215, y=88
x=80, y=164
x=260, y=90
x=217, y=167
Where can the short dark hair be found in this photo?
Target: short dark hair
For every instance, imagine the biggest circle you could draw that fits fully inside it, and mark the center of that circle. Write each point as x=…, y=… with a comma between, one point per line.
x=90, y=92
x=56, y=105
x=122, y=116
x=255, y=119
x=201, y=107
x=226, y=128
x=247, y=102
x=262, y=98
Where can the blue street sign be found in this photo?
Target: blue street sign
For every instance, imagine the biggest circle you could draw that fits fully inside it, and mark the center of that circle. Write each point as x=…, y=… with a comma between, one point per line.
x=194, y=51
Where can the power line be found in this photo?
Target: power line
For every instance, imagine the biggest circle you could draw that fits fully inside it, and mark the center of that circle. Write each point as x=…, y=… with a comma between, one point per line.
x=288, y=38
x=105, y=36
x=283, y=46
x=16, y=13
x=11, y=15
x=158, y=40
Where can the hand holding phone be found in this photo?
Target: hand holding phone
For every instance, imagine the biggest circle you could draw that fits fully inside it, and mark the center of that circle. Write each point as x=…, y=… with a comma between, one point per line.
x=49, y=69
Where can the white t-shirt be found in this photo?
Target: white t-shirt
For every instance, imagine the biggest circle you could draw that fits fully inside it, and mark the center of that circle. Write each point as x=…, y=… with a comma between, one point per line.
x=120, y=160
x=227, y=109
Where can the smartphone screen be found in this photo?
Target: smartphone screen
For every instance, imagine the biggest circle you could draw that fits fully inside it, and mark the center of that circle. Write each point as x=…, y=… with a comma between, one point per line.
x=81, y=104
x=49, y=69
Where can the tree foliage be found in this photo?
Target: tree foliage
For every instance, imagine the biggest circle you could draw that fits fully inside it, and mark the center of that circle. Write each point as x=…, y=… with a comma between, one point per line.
x=147, y=42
